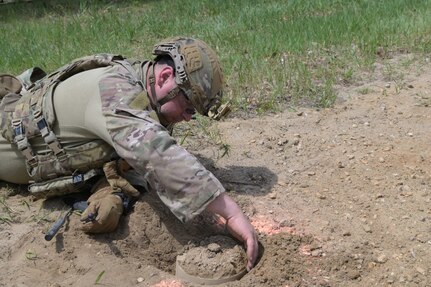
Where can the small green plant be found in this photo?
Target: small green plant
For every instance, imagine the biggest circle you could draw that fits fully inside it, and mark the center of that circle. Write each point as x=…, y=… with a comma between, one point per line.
x=246, y=154
x=225, y=150
x=99, y=277
x=25, y=203
x=4, y=204
x=31, y=255
x=348, y=75
x=213, y=136
x=399, y=85
x=43, y=216
x=6, y=219
x=365, y=91
x=9, y=216
x=203, y=129
x=184, y=137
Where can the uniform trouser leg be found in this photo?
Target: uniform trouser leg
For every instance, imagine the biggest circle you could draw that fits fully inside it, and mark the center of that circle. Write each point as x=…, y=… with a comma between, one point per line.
x=12, y=164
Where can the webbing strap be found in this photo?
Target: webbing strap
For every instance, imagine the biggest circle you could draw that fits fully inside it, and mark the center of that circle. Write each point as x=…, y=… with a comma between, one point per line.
x=22, y=142
x=62, y=185
x=152, y=82
x=172, y=94
x=49, y=136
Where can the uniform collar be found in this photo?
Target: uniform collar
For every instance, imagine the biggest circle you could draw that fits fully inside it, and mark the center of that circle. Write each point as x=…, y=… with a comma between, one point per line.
x=142, y=72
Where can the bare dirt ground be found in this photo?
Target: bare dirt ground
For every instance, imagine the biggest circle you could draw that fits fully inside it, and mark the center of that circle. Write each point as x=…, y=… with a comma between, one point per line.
x=339, y=196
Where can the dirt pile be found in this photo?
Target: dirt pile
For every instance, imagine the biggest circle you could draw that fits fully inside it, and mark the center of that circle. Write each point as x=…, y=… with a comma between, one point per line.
x=340, y=197
x=216, y=259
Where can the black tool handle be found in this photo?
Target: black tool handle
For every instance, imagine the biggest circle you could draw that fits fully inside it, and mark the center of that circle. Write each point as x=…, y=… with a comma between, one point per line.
x=57, y=225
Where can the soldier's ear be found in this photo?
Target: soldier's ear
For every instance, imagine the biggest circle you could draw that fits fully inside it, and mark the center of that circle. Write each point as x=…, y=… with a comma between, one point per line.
x=166, y=73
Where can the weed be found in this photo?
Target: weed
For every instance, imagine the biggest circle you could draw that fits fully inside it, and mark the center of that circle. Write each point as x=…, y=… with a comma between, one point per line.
x=365, y=91
x=31, y=255
x=348, y=76
x=43, y=216
x=225, y=150
x=5, y=205
x=99, y=277
x=6, y=219
x=246, y=154
x=9, y=216
x=184, y=137
x=213, y=136
x=25, y=203
x=203, y=129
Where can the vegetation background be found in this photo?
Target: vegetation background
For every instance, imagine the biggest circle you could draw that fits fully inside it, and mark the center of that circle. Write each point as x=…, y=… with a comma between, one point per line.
x=275, y=54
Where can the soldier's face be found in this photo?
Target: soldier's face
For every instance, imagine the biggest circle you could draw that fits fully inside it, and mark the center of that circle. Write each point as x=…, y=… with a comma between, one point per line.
x=178, y=109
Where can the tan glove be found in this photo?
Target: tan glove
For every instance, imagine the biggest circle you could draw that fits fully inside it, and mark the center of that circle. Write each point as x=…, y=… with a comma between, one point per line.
x=103, y=211
x=113, y=171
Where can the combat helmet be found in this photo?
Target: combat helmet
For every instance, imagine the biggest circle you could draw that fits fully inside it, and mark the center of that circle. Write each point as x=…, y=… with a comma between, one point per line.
x=197, y=73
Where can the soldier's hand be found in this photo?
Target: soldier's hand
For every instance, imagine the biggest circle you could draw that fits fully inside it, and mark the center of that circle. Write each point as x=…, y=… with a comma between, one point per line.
x=237, y=224
x=103, y=212
x=240, y=227
x=113, y=171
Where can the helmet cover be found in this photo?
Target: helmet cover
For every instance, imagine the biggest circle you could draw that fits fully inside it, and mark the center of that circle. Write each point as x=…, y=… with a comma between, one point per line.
x=197, y=72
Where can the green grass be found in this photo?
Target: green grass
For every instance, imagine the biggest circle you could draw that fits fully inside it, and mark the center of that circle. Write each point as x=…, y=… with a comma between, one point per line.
x=274, y=53
x=6, y=212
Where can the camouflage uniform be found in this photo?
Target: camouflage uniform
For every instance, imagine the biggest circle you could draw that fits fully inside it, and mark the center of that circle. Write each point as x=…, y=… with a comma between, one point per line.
x=95, y=108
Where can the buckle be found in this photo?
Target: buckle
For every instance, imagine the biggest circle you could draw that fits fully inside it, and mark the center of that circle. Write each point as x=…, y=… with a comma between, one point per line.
x=28, y=154
x=77, y=178
x=49, y=137
x=220, y=112
x=61, y=155
x=17, y=127
x=32, y=162
x=21, y=142
x=42, y=126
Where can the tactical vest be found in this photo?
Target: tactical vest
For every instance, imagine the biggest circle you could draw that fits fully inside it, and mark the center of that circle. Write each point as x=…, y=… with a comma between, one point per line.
x=28, y=116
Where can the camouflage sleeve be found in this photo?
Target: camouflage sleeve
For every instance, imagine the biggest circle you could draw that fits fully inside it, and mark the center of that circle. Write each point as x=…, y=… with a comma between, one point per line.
x=182, y=183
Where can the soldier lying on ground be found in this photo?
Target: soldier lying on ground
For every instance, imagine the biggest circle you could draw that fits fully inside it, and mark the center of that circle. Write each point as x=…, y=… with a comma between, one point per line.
x=109, y=118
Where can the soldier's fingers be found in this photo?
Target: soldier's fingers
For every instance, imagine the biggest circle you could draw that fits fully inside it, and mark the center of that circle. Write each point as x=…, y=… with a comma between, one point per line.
x=96, y=227
x=89, y=212
x=128, y=189
x=108, y=206
x=252, y=251
x=92, y=227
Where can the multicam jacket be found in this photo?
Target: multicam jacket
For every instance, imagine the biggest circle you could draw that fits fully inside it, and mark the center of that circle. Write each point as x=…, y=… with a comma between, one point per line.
x=119, y=122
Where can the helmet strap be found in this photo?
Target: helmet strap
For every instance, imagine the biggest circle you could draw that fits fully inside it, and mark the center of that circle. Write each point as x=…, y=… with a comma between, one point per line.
x=172, y=94
x=152, y=82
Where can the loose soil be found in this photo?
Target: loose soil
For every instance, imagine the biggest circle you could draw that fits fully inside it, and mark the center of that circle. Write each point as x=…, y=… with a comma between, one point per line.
x=214, y=258
x=339, y=197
